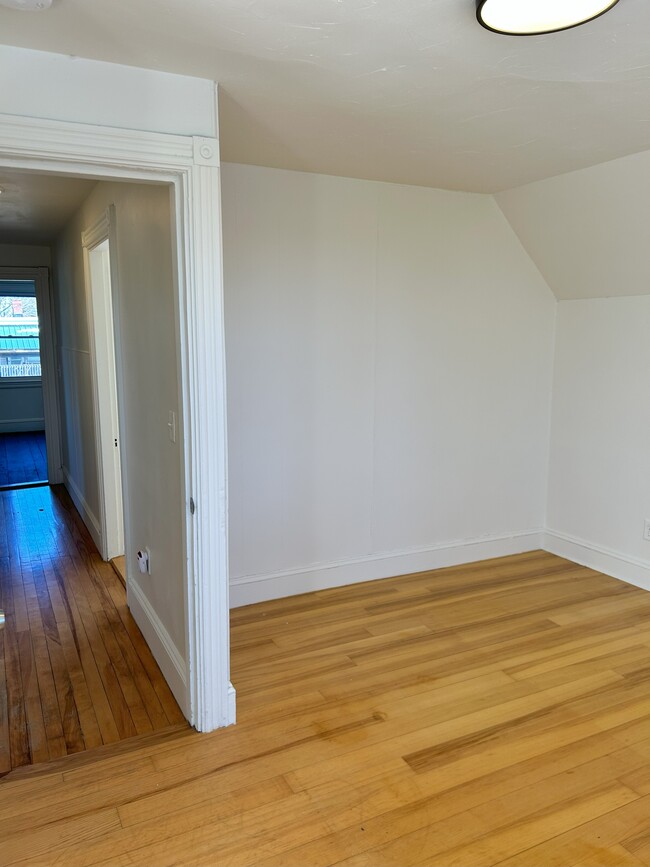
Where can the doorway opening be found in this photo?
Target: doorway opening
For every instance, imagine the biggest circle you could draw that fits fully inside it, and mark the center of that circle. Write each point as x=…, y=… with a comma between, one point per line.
x=112, y=260
x=23, y=457
x=189, y=640
x=29, y=427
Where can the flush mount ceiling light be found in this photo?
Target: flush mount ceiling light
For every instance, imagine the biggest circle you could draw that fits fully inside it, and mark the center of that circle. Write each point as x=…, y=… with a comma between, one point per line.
x=27, y=5
x=534, y=17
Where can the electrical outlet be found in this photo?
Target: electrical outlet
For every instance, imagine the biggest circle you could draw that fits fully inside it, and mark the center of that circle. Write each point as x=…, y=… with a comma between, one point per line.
x=646, y=531
x=144, y=561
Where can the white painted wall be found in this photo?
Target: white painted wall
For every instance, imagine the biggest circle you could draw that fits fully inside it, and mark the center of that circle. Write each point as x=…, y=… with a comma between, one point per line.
x=147, y=326
x=599, y=483
x=61, y=87
x=24, y=256
x=79, y=458
x=587, y=230
x=389, y=355
x=21, y=406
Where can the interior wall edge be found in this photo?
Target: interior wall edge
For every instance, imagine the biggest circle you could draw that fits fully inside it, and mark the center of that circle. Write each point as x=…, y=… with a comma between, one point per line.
x=524, y=249
x=550, y=410
x=250, y=589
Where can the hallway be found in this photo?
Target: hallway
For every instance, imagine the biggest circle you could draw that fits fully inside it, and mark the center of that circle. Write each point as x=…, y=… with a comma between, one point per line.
x=75, y=672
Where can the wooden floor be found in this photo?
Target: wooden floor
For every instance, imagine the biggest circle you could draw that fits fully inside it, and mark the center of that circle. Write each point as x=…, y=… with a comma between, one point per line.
x=119, y=565
x=23, y=458
x=75, y=672
x=497, y=713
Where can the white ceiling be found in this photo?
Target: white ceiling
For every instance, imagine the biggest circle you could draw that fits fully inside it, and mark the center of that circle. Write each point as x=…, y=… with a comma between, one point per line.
x=412, y=91
x=35, y=207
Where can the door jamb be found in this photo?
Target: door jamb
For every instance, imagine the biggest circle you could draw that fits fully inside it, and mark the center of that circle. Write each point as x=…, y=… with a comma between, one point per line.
x=191, y=165
x=102, y=332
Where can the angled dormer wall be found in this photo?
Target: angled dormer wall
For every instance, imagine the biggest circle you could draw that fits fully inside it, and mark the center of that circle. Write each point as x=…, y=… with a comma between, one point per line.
x=587, y=232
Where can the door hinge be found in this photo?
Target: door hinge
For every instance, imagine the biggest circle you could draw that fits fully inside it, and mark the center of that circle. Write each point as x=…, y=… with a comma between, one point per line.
x=192, y=506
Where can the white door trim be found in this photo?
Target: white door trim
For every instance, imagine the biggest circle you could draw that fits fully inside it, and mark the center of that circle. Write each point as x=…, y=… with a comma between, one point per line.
x=41, y=278
x=191, y=164
x=101, y=331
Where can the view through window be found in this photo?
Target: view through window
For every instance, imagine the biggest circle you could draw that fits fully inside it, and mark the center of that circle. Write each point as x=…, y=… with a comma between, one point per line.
x=20, y=356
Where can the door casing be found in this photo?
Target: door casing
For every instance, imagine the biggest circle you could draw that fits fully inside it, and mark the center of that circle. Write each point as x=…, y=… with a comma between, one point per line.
x=190, y=164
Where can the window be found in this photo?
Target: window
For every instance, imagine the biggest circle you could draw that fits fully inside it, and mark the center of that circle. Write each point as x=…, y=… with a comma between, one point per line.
x=19, y=342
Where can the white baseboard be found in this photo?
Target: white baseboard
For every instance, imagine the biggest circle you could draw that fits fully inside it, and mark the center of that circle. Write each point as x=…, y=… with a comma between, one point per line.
x=87, y=515
x=232, y=705
x=164, y=650
x=259, y=588
x=625, y=568
x=22, y=425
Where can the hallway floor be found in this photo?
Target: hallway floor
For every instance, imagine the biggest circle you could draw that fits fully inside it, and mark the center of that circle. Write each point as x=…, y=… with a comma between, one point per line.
x=23, y=459
x=75, y=672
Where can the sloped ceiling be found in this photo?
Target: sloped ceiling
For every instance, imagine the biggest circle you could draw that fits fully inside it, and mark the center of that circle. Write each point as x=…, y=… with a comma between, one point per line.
x=587, y=231
x=414, y=92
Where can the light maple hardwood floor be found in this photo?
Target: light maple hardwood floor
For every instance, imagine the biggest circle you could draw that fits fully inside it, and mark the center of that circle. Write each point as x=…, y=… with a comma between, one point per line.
x=495, y=713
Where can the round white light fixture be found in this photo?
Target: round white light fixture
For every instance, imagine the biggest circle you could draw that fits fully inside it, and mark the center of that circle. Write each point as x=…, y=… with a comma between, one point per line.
x=27, y=5
x=534, y=17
